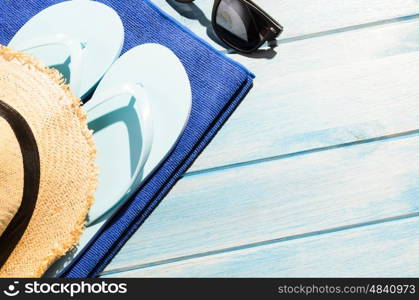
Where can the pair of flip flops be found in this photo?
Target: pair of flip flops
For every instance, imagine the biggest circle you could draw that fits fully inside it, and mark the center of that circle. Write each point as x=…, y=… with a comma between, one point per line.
x=140, y=106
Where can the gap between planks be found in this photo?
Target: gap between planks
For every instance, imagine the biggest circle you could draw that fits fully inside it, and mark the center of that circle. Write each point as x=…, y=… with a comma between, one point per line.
x=342, y=188
x=304, y=152
x=135, y=251
x=360, y=100
x=370, y=14
x=350, y=28
x=258, y=244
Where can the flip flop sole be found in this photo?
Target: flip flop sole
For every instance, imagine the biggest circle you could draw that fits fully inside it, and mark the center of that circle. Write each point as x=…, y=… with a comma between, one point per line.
x=94, y=24
x=118, y=139
x=168, y=88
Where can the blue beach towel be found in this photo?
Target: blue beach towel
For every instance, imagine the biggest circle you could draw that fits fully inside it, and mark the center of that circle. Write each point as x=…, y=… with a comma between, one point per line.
x=218, y=85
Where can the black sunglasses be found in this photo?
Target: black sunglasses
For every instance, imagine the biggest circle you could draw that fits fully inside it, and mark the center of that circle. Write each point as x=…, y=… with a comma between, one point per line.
x=242, y=25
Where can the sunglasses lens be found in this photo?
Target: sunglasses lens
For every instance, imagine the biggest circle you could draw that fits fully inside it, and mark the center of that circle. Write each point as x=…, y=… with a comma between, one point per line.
x=236, y=25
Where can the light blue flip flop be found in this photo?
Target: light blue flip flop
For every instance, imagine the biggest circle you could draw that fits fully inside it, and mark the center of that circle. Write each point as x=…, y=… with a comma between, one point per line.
x=137, y=114
x=80, y=38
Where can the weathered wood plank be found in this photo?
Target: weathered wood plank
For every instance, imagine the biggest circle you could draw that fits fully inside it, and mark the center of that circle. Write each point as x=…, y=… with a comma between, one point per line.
x=300, y=18
x=325, y=91
x=279, y=198
x=389, y=249
x=307, y=19
x=283, y=198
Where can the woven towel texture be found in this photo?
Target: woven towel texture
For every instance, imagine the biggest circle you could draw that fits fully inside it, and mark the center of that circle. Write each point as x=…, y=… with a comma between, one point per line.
x=218, y=85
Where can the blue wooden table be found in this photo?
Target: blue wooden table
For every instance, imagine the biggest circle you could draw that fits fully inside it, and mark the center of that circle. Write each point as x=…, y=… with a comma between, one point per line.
x=317, y=172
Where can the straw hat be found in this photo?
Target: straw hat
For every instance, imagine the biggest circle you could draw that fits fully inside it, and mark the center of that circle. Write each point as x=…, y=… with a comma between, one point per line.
x=40, y=119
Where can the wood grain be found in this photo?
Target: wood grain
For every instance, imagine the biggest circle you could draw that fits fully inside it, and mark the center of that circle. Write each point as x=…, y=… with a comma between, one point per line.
x=309, y=173
x=299, y=18
x=325, y=91
x=388, y=249
x=280, y=198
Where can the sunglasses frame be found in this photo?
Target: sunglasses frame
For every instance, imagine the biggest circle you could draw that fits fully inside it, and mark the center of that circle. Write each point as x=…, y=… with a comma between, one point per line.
x=31, y=181
x=274, y=29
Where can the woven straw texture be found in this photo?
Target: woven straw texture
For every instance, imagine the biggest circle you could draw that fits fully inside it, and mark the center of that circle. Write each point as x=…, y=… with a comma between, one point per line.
x=11, y=184
x=67, y=153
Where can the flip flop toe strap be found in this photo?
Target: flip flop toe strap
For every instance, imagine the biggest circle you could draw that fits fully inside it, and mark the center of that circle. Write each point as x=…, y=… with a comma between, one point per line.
x=30, y=155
